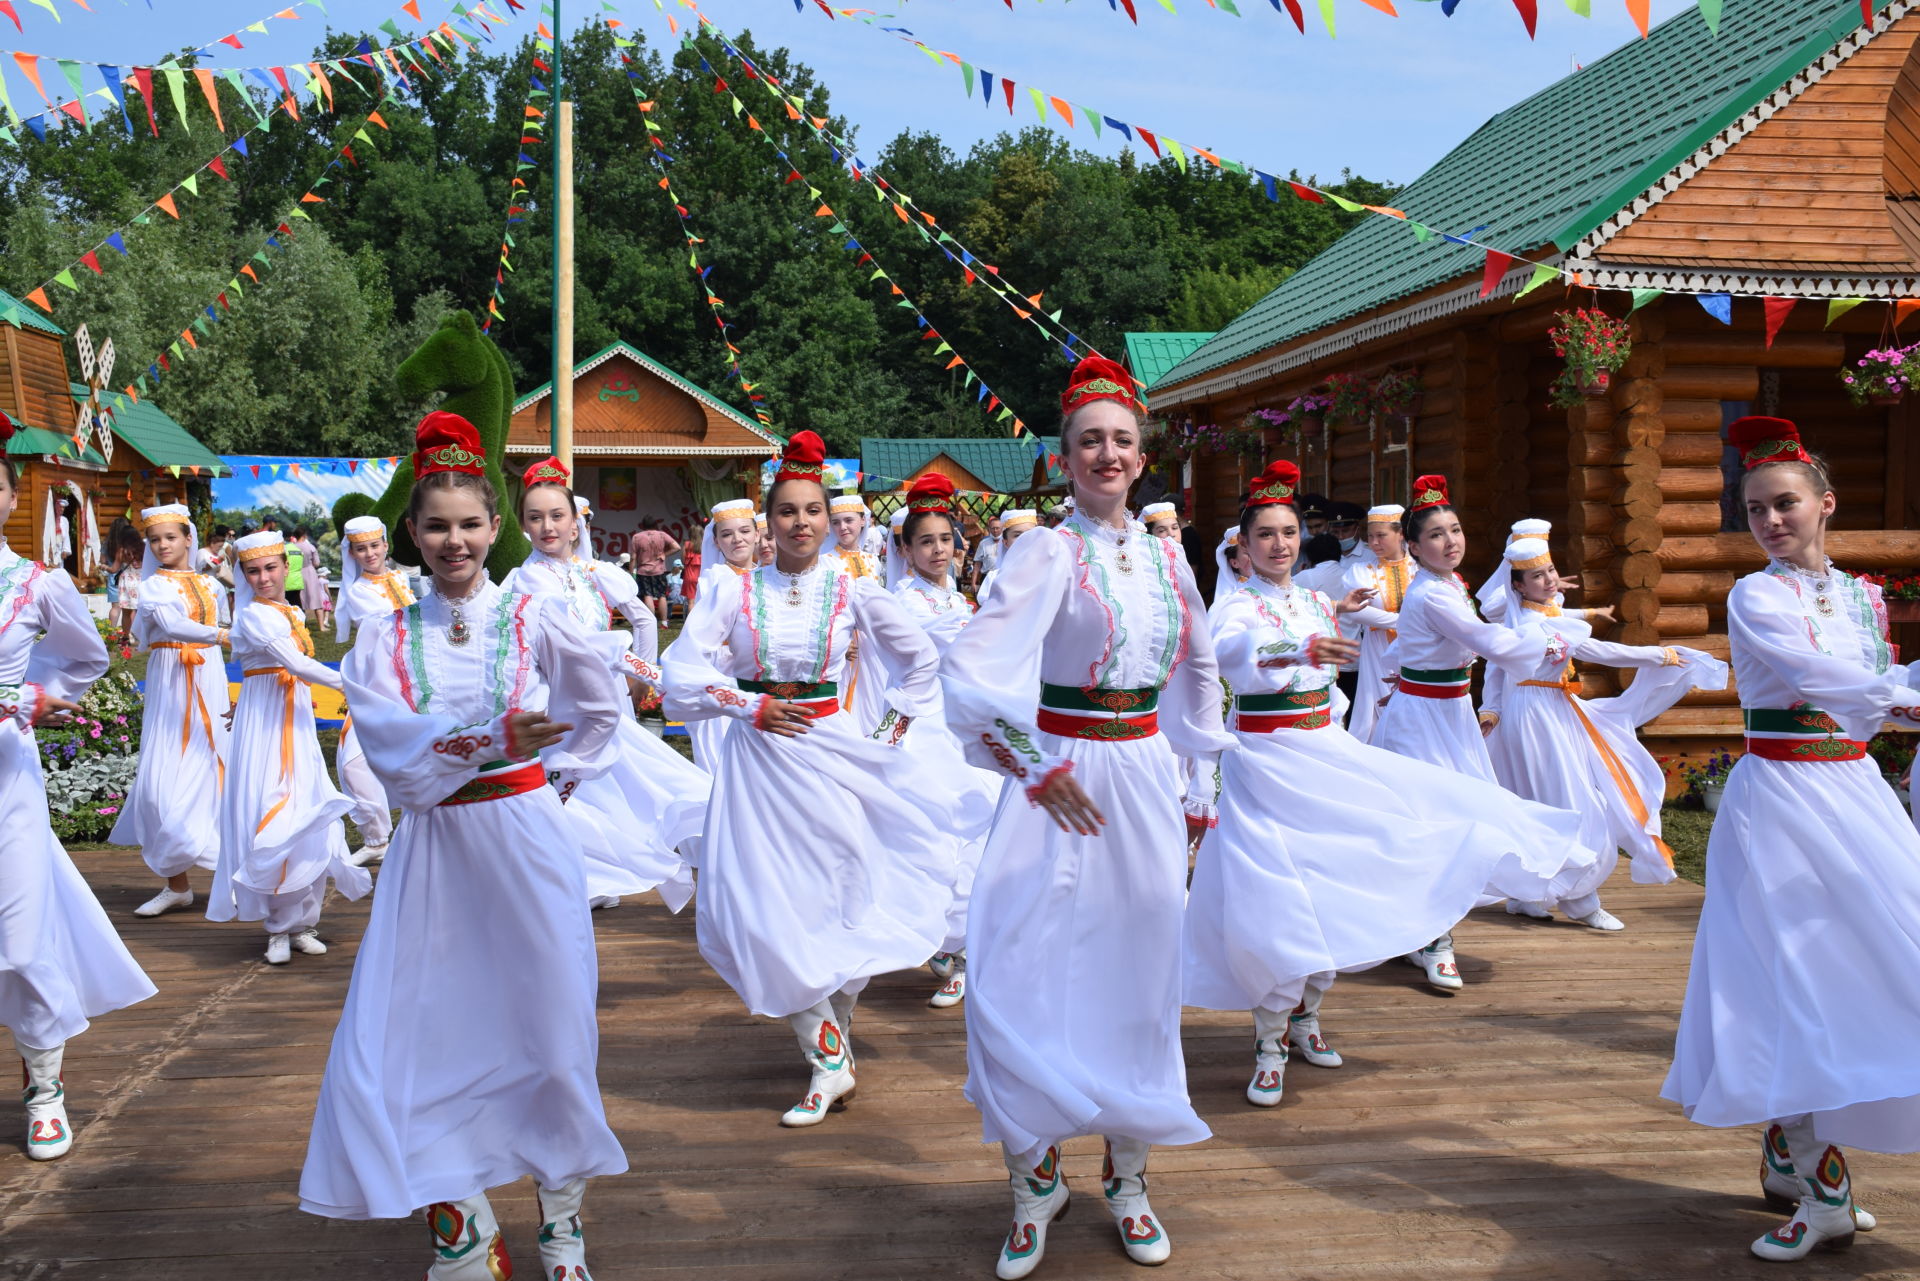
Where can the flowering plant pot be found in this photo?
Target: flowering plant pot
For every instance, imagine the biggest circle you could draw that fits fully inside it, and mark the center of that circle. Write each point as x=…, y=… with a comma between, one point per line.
x=1350, y=397
x=1882, y=376
x=1593, y=345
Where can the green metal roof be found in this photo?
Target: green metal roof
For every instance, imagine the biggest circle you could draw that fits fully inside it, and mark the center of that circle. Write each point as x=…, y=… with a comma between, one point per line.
x=1151, y=355
x=34, y=441
x=1550, y=169
x=1003, y=463
x=13, y=311
x=149, y=430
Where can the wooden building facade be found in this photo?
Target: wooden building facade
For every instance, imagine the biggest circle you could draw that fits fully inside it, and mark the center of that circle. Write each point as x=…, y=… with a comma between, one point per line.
x=1780, y=159
x=646, y=442
x=145, y=459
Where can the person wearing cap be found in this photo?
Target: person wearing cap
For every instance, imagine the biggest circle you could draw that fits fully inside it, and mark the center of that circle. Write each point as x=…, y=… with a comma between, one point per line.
x=172, y=811
x=1386, y=575
x=63, y=962
x=281, y=838
x=465, y=1054
x=763, y=547
x=632, y=819
x=828, y=855
x=1014, y=522
x=1330, y=576
x=986, y=553
x=1073, y=933
x=1550, y=745
x=849, y=520
x=1429, y=713
x=730, y=542
x=931, y=532
x=1800, y=1015
x=1492, y=594
x=1162, y=520
x=369, y=589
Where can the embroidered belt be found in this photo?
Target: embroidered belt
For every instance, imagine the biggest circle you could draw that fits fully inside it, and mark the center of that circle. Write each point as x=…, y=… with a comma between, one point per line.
x=1446, y=682
x=1798, y=734
x=500, y=784
x=822, y=698
x=1265, y=713
x=1103, y=715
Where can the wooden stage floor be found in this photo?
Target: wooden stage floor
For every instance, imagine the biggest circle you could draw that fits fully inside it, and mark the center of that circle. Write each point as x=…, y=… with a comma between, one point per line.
x=1511, y=1131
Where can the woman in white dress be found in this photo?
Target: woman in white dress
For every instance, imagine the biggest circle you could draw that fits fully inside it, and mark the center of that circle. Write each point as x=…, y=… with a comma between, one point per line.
x=465, y=1055
x=730, y=543
x=173, y=810
x=369, y=589
x=61, y=964
x=1429, y=715
x=931, y=533
x=828, y=855
x=1014, y=522
x=1073, y=936
x=1331, y=856
x=1801, y=1013
x=281, y=838
x=1550, y=745
x=634, y=817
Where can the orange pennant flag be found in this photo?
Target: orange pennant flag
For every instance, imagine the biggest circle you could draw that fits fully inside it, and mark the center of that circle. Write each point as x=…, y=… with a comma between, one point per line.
x=288, y=14
x=1385, y=6
x=823, y=212
x=1904, y=308
x=30, y=64
x=39, y=299
x=373, y=118
x=902, y=211
x=166, y=202
x=1638, y=11
x=413, y=7
x=205, y=77
x=534, y=113
x=1383, y=209
x=248, y=271
x=1035, y=298
x=188, y=335
x=753, y=124
x=955, y=361
x=663, y=184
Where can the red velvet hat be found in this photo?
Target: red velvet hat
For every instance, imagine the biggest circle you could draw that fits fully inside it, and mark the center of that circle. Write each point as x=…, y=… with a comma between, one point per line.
x=1097, y=378
x=548, y=471
x=1279, y=483
x=931, y=493
x=804, y=458
x=6, y=428
x=1429, y=491
x=447, y=442
x=1766, y=440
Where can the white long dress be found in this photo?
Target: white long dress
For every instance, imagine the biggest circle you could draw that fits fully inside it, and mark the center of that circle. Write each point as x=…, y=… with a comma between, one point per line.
x=173, y=812
x=1332, y=855
x=1801, y=998
x=634, y=817
x=1073, y=942
x=61, y=963
x=943, y=612
x=828, y=857
x=706, y=734
x=280, y=832
x=867, y=701
x=364, y=597
x=465, y=1055
x=1583, y=755
x=1388, y=580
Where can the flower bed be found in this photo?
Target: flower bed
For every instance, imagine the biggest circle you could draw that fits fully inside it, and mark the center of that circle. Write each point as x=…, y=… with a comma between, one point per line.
x=90, y=762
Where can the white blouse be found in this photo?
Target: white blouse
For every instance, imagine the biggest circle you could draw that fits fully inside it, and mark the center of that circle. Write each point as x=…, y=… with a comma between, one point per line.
x=1261, y=632
x=263, y=637
x=1439, y=631
x=178, y=606
x=593, y=591
x=49, y=647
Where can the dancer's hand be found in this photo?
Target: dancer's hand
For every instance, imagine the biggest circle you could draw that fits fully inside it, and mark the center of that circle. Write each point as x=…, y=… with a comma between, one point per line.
x=1063, y=797
x=56, y=711
x=788, y=720
x=1602, y=613
x=1356, y=600
x=1332, y=649
x=1487, y=721
x=530, y=733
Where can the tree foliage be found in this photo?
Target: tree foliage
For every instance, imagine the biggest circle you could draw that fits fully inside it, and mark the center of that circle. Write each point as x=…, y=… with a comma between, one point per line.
x=304, y=362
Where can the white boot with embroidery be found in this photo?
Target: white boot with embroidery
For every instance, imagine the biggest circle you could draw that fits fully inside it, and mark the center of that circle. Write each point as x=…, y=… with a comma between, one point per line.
x=1125, y=1182
x=467, y=1245
x=954, y=990
x=563, y=1245
x=1436, y=958
x=1781, y=1186
x=1040, y=1199
x=831, y=1058
x=1303, y=1030
x=1269, y=1059
x=1824, y=1219
x=49, y=1133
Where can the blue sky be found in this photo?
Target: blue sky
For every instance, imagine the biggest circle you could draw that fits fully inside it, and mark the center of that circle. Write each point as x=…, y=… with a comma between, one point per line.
x=1386, y=99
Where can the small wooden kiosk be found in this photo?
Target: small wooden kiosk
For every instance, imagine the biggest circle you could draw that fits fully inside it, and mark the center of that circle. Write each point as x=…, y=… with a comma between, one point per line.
x=1778, y=159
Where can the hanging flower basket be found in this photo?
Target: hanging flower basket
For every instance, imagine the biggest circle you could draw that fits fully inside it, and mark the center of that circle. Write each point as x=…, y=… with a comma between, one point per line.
x=1883, y=376
x=1398, y=392
x=1349, y=398
x=1593, y=345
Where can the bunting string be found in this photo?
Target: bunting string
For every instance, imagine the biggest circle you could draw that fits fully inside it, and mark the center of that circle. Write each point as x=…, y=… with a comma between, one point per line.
x=533, y=130
x=661, y=159
x=983, y=394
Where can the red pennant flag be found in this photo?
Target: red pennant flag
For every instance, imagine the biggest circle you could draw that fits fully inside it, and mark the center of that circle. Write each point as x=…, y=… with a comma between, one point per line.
x=232, y=40
x=1306, y=193
x=1299, y=18
x=256, y=470
x=6, y=7
x=1006, y=86
x=219, y=166
x=165, y=364
x=143, y=76
x=1529, y=14
x=1776, y=311
x=1497, y=264
x=224, y=303
x=91, y=261
x=1149, y=139
x=353, y=465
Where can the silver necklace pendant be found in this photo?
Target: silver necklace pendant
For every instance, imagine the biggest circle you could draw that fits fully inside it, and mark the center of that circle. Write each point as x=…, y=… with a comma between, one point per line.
x=1823, y=603
x=1124, y=561
x=793, y=591
x=458, y=633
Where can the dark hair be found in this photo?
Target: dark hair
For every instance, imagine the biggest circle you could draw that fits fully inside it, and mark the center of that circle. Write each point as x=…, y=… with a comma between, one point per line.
x=13, y=477
x=1419, y=518
x=299, y=531
x=1815, y=473
x=915, y=518
x=1320, y=549
x=1248, y=513
x=773, y=491
x=434, y=482
x=223, y=531
x=568, y=491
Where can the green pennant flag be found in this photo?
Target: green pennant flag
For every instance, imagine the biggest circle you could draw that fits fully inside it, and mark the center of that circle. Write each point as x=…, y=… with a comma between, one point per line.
x=1641, y=297
x=1003, y=415
x=361, y=135
x=1839, y=307
x=1345, y=204
x=839, y=228
x=6, y=101
x=174, y=347
x=1582, y=7
x=177, y=85
x=1178, y=152
x=393, y=29
x=1710, y=10
x=71, y=70
x=943, y=349
x=970, y=377
x=1421, y=232
x=141, y=220
x=966, y=72
x=261, y=256
x=192, y=183
x=1093, y=117
x=260, y=27
x=1039, y=103
x=65, y=277
x=232, y=76
x=1326, y=16
x=878, y=273
x=233, y=287
x=1541, y=275
x=299, y=211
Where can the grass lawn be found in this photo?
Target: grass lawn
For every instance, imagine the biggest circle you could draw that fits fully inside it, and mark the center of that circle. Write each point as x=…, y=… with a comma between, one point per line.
x=1686, y=831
